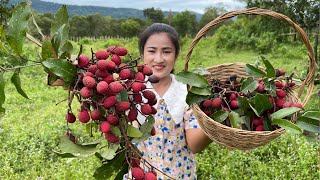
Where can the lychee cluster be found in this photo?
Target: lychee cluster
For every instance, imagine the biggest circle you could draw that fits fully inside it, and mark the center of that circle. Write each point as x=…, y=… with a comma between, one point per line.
x=225, y=97
x=112, y=93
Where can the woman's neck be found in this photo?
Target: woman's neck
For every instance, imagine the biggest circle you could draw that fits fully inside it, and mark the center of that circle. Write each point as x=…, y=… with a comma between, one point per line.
x=162, y=86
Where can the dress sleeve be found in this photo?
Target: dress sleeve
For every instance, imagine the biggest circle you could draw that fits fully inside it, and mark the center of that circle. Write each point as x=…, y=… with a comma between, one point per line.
x=190, y=120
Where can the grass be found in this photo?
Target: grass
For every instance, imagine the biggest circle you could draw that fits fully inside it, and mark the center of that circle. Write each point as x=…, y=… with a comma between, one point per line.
x=30, y=129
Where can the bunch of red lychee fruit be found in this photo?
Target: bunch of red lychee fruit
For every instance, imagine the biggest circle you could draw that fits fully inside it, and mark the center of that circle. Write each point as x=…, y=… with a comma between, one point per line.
x=225, y=96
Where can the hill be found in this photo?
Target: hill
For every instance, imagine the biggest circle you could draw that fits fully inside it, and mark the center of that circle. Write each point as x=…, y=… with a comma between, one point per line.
x=50, y=7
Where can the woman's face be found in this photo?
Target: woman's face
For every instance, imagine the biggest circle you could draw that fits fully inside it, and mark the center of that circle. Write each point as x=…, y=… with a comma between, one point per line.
x=160, y=54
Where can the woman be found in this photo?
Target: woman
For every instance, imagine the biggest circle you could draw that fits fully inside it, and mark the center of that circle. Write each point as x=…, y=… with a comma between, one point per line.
x=178, y=135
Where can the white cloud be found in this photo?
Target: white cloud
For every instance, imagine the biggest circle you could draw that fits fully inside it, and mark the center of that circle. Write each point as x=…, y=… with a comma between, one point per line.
x=174, y=5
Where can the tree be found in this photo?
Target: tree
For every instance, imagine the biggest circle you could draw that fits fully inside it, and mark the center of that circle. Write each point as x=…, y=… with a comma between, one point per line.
x=210, y=14
x=130, y=28
x=5, y=11
x=185, y=23
x=155, y=15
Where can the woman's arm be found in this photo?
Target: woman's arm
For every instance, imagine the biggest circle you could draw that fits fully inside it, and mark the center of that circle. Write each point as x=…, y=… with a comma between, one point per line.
x=197, y=140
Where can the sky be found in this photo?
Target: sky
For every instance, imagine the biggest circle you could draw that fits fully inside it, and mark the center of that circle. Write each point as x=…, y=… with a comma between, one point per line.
x=165, y=5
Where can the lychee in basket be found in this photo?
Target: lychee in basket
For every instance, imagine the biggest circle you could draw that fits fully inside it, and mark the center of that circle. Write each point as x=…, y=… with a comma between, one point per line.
x=234, y=138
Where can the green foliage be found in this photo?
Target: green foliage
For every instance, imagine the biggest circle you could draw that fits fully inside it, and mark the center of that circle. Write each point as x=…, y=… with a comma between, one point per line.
x=155, y=15
x=185, y=23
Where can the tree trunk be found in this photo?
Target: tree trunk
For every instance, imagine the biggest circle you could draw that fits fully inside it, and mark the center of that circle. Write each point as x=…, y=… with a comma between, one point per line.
x=316, y=42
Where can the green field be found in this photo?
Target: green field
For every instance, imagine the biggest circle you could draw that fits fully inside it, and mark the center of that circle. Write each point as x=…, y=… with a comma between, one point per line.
x=31, y=128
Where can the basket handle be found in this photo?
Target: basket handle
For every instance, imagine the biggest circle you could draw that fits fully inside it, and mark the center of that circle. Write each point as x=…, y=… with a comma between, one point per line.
x=309, y=80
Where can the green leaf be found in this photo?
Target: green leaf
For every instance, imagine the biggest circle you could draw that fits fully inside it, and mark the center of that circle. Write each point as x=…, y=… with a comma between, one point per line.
x=315, y=115
x=270, y=86
x=289, y=126
x=201, y=91
x=267, y=124
x=17, y=26
x=115, y=130
x=309, y=124
x=123, y=171
x=61, y=18
x=47, y=50
x=67, y=47
x=249, y=85
x=67, y=146
x=2, y=94
x=284, y=112
x=246, y=121
x=133, y=132
x=220, y=116
x=269, y=68
x=106, y=171
x=243, y=103
x=192, y=79
x=122, y=96
x=253, y=109
x=253, y=71
x=56, y=39
x=64, y=155
x=235, y=119
x=62, y=68
x=261, y=102
x=194, y=98
x=145, y=128
x=15, y=79
x=108, y=153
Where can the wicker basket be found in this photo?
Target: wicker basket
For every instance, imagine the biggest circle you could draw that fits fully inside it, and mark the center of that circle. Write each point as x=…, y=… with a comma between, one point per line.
x=234, y=138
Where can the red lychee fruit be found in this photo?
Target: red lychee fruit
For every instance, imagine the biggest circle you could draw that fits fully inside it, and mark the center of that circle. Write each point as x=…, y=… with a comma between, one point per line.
x=234, y=104
x=84, y=116
x=135, y=162
x=279, y=103
x=88, y=74
x=287, y=104
x=111, y=66
x=132, y=115
x=206, y=103
x=96, y=114
x=137, y=98
x=297, y=105
x=105, y=127
x=110, y=101
x=260, y=88
x=70, y=117
x=137, y=173
x=122, y=106
x=153, y=79
x=260, y=128
x=125, y=74
x=150, y=176
x=102, y=54
x=282, y=72
x=136, y=87
x=115, y=87
x=93, y=68
x=89, y=82
x=216, y=103
x=102, y=73
x=147, y=70
x=146, y=109
x=232, y=96
x=152, y=102
x=148, y=95
x=116, y=59
x=86, y=92
x=153, y=131
x=140, y=67
x=112, y=138
x=258, y=121
x=113, y=119
x=281, y=93
x=143, y=86
x=102, y=64
x=118, y=50
x=102, y=87
x=279, y=85
x=83, y=60
x=154, y=110
x=139, y=76
x=108, y=78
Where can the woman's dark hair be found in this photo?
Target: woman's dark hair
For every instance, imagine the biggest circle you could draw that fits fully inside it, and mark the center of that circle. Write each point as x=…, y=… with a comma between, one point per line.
x=159, y=28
